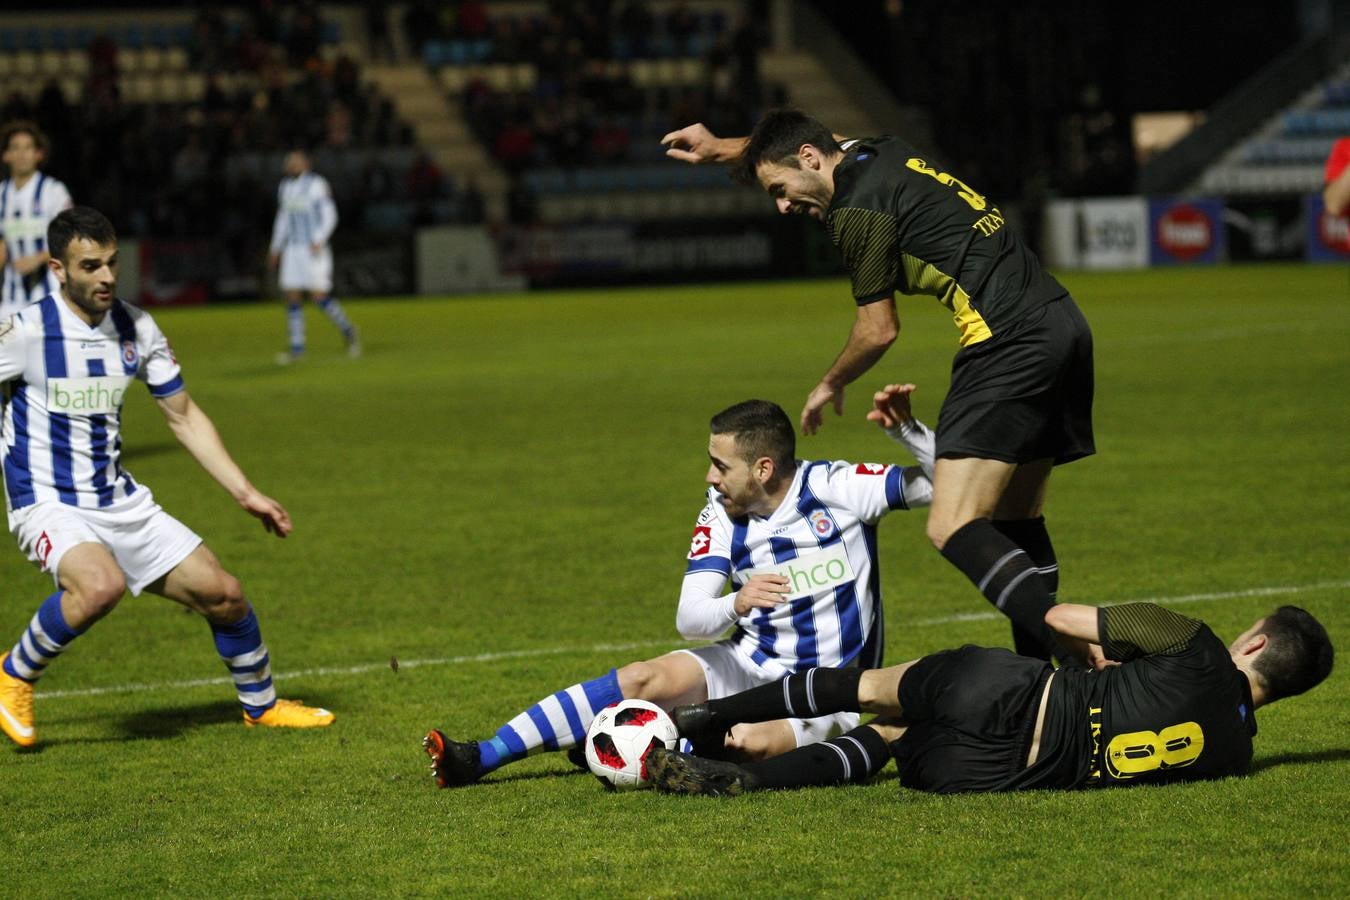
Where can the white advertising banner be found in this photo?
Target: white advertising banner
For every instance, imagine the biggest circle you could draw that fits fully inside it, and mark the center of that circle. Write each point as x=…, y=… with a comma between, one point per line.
x=1101, y=233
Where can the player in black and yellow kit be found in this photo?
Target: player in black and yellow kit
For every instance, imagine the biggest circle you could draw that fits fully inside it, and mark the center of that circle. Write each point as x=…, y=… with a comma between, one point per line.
x=1020, y=400
x=1170, y=702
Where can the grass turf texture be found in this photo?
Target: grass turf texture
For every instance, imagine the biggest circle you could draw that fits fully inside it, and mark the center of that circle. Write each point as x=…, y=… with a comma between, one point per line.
x=503, y=491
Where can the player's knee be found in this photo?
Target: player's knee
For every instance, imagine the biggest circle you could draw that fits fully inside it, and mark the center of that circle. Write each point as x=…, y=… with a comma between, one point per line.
x=221, y=599
x=750, y=744
x=938, y=532
x=639, y=680
x=99, y=591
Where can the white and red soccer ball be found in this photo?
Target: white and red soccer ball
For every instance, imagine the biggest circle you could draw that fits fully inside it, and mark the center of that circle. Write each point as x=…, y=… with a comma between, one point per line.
x=619, y=739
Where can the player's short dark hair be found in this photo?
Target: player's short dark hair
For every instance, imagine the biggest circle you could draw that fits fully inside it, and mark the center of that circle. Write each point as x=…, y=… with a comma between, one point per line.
x=1298, y=653
x=24, y=126
x=777, y=137
x=78, y=222
x=760, y=428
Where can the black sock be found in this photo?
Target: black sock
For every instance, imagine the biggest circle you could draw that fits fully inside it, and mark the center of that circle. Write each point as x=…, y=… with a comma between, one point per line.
x=1031, y=536
x=1005, y=574
x=804, y=695
x=852, y=757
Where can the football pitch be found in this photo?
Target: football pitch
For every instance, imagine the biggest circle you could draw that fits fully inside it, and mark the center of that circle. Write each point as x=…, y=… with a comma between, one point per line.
x=496, y=503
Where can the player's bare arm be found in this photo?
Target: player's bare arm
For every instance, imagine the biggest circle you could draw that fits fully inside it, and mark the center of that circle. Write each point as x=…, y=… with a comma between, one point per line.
x=1077, y=625
x=696, y=144
x=875, y=328
x=26, y=265
x=195, y=431
x=1336, y=195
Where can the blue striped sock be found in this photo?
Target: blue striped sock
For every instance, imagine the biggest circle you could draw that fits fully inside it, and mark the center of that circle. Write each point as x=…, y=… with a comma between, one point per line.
x=241, y=647
x=295, y=327
x=554, y=723
x=47, y=635
x=333, y=310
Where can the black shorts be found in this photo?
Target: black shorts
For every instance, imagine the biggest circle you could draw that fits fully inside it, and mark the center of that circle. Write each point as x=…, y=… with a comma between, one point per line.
x=972, y=714
x=1023, y=395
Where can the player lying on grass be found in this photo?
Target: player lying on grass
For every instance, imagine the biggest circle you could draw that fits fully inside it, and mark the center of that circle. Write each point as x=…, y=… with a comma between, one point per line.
x=69, y=360
x=797, y=541
x=1170, y=702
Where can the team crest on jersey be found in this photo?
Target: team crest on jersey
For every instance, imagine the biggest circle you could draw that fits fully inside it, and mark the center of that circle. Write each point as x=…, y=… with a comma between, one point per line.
x=129, y=357
x=701, y=542
x=870, y=468
x=821, y=523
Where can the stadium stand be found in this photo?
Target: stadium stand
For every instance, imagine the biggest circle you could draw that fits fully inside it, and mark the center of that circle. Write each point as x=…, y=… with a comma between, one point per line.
x=1287, y=154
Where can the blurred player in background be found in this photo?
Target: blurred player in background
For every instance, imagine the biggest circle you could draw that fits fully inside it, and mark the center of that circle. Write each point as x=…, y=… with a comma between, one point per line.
x=1020, y=400
x=1336, y=194
x=29, y=200
x=69, y=360
x=797, y=541
x=306, y=218
x=1169, y=702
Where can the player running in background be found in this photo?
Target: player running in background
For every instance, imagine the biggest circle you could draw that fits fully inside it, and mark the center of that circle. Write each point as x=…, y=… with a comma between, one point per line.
x=1020, y=400
x=29, y=200
x=306, y=218
x=1170, y=703
x=69, y=360
x=797, y=541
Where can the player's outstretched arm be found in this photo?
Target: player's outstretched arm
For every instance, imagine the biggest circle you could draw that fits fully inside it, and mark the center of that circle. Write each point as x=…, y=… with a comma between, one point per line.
x=875, y=328
x=195, y=431
x=696, y=144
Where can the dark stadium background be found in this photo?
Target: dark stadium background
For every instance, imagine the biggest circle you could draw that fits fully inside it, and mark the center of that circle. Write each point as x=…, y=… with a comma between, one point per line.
x=532, y=135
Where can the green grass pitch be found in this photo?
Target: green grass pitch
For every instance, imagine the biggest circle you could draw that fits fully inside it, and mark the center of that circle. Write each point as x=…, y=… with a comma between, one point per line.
x=500, y=496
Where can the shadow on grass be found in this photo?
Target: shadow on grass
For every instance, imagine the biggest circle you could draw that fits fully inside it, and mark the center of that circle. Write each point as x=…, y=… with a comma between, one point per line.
x=1314, y=756
x=158, y=724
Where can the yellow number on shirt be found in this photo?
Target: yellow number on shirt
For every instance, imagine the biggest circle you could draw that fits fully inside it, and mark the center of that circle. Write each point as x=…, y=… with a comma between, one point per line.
x=1138, y=752
x=977, y=202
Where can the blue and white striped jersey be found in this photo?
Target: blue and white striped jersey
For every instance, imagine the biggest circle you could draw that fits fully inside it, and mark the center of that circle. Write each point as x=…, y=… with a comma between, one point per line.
x=822, y=538
x=25, y=213
x=306, y=213
x=66, y=383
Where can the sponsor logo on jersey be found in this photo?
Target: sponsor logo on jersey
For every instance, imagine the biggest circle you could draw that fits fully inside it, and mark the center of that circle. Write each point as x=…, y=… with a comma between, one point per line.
x=129, y=356
x=701, y=542
x=703, y=518
x=43, y=548
x=821, y=523
x=1185, y=232
x=98, y=396
x=810, y=574
x=871, y=468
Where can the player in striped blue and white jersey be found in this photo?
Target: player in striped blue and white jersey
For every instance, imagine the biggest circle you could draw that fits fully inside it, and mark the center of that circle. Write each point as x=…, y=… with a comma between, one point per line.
x=67, y=362
x=305, y=221
x=29, y=200
x=797, y=543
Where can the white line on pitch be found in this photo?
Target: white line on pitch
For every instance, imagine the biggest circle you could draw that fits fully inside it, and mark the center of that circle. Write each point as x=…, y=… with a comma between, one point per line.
x=601, y=648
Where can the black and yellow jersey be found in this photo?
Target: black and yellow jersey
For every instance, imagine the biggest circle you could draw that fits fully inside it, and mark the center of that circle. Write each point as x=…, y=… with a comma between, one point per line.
x=1177, y=708
x=903, y=225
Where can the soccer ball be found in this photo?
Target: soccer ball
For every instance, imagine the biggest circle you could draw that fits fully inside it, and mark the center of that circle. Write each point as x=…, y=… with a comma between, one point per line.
x=619, y=738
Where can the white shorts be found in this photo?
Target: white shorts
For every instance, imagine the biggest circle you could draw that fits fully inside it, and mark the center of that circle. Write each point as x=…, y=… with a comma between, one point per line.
x=728, y=672
x=146, y=542
x=304, y=270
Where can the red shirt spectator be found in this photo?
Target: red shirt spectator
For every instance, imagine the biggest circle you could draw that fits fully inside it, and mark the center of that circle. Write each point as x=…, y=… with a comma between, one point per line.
x=1336, y=194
